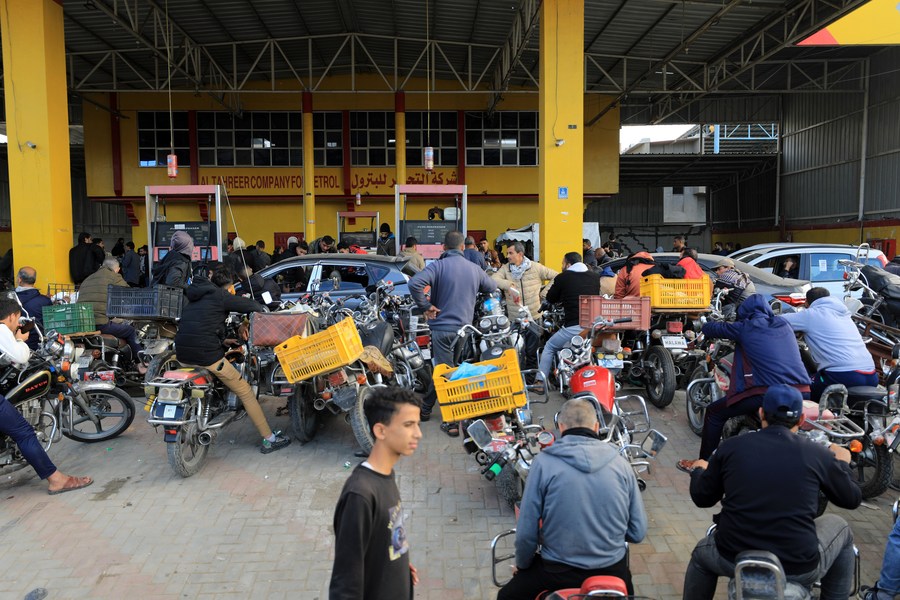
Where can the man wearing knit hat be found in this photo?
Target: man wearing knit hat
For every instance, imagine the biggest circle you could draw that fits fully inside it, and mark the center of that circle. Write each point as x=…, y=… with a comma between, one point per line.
x=770, y=482
x=175, y=268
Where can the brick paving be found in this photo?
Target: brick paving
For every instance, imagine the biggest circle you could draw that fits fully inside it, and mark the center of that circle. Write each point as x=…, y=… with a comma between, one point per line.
x=259, y=526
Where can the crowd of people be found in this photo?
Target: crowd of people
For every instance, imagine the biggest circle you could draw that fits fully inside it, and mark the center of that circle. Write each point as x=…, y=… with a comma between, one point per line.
x=768, y=482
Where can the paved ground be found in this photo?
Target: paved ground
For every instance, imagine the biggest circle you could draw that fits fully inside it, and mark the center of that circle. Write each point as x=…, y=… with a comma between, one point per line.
x=255, y=526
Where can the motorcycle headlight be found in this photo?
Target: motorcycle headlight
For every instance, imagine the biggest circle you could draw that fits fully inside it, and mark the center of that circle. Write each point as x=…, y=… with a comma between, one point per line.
x=69, y=351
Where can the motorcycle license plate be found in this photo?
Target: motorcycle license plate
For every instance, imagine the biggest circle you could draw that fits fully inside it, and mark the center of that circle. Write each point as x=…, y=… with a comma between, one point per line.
x=99, y=376
x=167, y=412
x=612, y=363
x=674, y=342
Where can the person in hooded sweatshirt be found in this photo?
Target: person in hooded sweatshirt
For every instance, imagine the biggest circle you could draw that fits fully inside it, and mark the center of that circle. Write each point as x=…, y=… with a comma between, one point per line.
x=200, y=342
x=766, y=354
x=834, y=342
x=628, y=278
x=581, y=504
x=175, y=268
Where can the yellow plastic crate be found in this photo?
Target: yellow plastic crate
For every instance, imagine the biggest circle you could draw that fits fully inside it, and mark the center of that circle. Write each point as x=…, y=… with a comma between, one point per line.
x=677, y=294
x=472, y=397
x=305, y=357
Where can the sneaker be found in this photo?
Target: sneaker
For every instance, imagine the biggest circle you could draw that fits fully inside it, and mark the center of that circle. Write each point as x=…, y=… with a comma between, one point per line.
x=279, y=443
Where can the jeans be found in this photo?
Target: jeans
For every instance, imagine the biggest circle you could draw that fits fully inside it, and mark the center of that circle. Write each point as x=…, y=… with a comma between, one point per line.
x=823, y=379
x=13, y=424
x=556, y=343
x=528, y=583
x=445, y=344
x=225, y=372
x=889, y=580
x=717, y=414
x=835, y=570
x=125, y=332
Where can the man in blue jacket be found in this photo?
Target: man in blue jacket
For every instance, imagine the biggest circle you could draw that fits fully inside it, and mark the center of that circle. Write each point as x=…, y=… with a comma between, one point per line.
x=455, y=283
x=581, y=504
x=766, y=354
x=834, y=342
x=33, y=301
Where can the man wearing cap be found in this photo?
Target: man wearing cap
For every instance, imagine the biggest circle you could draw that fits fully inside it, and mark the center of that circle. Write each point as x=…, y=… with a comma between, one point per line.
x=730, y=278
x=768, y=482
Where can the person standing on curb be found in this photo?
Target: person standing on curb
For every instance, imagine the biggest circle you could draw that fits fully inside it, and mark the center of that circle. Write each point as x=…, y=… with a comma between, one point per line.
x=371, y=548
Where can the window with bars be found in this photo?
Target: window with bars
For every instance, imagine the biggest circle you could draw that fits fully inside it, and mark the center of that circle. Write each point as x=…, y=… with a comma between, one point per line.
x=441, y=136
x=372, y=142
x=255, y=139
x=156, y=138
x=327, y=139
x=507, y=138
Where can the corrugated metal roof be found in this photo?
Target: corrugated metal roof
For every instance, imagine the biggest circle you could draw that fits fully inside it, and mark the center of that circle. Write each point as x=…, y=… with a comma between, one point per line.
x=232, y=36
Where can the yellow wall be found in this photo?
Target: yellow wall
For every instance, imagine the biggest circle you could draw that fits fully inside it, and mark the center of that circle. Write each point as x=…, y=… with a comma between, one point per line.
x=279, y=207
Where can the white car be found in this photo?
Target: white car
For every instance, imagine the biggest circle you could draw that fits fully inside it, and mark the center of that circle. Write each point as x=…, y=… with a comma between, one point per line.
x=817, y=263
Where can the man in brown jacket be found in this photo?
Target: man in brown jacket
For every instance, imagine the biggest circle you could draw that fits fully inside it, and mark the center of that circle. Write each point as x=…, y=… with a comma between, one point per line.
x=524, y=282
x=95, y=290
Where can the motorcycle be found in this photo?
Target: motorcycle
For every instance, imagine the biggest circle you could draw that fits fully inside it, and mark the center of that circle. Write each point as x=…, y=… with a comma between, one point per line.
x=192, y=406
x=54, y=405
x=108, y=358
x=494, y=332
x=880, y=299
x=759, y=575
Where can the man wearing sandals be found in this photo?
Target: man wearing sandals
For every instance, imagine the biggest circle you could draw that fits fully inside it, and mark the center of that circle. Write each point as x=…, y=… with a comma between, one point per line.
x=12, y=423
x=455, y=283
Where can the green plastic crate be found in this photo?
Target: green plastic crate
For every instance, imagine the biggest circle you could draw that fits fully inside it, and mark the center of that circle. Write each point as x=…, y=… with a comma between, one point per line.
x=69, y=318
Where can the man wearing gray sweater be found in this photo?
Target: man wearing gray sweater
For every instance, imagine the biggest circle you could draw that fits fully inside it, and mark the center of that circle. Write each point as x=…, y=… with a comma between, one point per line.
x=581, y=504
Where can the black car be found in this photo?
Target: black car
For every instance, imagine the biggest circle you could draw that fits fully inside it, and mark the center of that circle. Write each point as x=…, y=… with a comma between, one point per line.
x=338, y=274
x=790, y=291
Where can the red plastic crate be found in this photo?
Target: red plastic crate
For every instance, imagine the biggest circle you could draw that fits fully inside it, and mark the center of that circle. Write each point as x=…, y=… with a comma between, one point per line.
x=591, y=307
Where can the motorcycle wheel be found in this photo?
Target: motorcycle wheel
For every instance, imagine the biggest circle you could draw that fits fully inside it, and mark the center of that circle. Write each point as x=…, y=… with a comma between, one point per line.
x=186, y=454
x=358, y=421
x=872, y=468
x=114, y=408
x=509, y=485
x=304, y=416
x=880, y=314
x=160, y=364
x=697, y=400
x=659, y=376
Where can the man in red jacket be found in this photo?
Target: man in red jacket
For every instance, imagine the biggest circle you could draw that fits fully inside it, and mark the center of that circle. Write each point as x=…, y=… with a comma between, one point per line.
x=689, y=261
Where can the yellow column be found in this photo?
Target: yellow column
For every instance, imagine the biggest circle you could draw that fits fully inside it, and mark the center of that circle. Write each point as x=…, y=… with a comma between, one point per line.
x=309, y=164
x=37, y=125
x=561, y=172
x=400, y=136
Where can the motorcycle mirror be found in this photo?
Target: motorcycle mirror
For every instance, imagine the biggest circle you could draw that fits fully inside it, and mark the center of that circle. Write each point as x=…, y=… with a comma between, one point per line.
x=653, y=443
x=480, y=434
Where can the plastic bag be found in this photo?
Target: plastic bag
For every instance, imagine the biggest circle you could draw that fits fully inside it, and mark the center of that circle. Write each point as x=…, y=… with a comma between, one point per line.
x=466, y=370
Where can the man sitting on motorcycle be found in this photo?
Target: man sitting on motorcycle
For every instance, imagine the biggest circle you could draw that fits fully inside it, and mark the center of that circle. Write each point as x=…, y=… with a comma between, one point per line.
x=766, y=354
x=834, y=342
x=201, y=337
x=739, y=284
x=581, y=504
x=12, y=423
x=576, y=280
x=95, y=290
x=768, y=482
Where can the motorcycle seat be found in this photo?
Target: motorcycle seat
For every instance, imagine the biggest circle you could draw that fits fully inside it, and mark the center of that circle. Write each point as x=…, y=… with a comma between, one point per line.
x=603, y=583
x=857, y=397
x=864, y=392
x=112, y=341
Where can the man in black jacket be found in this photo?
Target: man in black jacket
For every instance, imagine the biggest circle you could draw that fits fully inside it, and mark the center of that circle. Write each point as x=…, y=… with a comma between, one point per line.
x=575, y=280
x=200, y=339
x=84, y=258
x=768, y=483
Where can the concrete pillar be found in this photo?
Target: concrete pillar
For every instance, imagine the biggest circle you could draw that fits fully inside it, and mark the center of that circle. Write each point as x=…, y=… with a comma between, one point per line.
x=37, y=125
x=309, y=164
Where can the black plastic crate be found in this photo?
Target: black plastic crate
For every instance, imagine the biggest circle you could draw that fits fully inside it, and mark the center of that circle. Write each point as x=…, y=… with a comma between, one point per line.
x=158, y=302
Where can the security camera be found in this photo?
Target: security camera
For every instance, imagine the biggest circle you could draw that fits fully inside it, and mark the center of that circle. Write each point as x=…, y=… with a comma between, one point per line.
x=560, y=143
